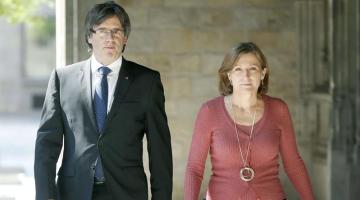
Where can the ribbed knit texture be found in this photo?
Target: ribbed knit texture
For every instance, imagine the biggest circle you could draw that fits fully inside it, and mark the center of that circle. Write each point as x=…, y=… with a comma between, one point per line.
x=273, y=135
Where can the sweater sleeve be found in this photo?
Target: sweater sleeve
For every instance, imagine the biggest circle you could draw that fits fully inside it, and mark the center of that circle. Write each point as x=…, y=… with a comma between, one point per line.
x=293, y=163
x=198, y=152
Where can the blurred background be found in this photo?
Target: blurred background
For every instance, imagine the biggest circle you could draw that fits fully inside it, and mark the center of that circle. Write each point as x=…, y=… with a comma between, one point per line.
x=312, y=46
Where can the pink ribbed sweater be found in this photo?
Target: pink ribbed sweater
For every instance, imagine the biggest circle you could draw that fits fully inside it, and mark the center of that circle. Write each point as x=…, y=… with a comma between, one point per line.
x=273, y=135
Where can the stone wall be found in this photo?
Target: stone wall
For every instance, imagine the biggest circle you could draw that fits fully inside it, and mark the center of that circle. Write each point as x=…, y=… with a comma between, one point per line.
x=186, y=41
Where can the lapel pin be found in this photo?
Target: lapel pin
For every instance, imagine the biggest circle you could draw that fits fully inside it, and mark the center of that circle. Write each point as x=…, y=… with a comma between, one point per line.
x=126, y=77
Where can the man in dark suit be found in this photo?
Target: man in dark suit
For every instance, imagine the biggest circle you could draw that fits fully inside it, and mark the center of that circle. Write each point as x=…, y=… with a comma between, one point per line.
x=99, y=110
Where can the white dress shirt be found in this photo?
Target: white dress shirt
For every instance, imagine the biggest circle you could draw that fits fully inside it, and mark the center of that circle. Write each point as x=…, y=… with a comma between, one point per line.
x=111, y=77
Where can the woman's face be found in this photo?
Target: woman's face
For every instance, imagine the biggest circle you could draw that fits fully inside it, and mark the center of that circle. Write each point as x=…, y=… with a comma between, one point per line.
x=246, y=73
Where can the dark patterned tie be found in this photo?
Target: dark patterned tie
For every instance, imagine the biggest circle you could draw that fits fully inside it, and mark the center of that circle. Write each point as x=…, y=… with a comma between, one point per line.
x=100, y=103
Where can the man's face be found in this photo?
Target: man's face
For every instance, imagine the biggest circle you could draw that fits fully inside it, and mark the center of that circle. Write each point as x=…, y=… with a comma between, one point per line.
x=108, y=40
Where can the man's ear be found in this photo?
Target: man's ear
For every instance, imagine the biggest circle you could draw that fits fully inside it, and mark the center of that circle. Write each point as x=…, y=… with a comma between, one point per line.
x=90, y=39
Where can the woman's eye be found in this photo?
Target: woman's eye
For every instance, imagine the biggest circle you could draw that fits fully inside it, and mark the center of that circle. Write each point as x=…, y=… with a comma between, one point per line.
x=237, y=69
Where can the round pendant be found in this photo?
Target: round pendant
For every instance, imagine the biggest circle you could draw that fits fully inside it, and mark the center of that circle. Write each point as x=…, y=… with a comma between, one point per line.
x=247, y=174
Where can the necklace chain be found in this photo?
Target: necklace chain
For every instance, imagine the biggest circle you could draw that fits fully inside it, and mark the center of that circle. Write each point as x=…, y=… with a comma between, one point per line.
x=237, y=136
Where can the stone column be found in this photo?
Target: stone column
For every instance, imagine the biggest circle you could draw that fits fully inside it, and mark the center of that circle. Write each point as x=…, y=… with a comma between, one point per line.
x=313, y=61
x=70, y=21
x=345, y=149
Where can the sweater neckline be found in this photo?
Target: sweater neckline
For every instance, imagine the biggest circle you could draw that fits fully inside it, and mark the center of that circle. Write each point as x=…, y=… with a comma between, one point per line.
x=258, y=124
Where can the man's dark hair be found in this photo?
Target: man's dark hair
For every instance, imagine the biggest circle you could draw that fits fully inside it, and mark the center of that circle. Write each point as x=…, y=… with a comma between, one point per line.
x=100, y=12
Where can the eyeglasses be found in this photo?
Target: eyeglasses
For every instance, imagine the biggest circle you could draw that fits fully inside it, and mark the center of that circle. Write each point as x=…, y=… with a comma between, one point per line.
x=117, y=33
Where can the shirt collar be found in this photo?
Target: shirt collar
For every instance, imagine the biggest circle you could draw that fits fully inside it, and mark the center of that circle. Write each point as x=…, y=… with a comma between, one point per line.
x=114, y=66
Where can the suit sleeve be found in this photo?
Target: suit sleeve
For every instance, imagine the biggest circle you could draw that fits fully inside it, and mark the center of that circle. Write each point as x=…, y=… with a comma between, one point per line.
x=293, y=164
x=48, y=142
x=159, y=143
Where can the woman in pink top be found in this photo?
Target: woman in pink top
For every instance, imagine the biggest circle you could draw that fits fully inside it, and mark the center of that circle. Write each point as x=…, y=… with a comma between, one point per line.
x=245, y=131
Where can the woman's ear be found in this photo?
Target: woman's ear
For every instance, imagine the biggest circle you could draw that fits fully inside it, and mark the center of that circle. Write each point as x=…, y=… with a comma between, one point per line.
x=228, y=74
x=263, y=73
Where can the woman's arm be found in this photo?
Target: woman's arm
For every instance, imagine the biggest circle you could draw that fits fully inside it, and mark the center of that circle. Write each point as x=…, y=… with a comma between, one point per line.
x=293, y=163
x=198, y=153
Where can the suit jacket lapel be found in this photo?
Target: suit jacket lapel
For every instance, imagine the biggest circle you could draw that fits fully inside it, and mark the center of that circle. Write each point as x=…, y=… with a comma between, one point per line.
x=123, y=82
x=86, y=91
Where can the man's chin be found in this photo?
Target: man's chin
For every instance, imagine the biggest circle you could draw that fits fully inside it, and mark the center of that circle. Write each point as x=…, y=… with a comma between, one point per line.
x=111, y=54
x=111, y=58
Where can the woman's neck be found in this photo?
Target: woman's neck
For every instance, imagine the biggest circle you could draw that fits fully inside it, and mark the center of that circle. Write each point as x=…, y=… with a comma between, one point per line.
x=245, y=101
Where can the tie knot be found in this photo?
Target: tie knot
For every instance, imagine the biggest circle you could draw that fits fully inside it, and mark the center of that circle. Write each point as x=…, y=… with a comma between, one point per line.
x=104, y=70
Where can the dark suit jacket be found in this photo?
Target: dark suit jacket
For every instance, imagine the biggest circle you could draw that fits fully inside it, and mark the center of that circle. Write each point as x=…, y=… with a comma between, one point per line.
x=68, y=120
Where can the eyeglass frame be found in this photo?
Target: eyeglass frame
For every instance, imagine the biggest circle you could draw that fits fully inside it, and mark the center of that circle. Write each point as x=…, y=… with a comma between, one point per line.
x=113, y=32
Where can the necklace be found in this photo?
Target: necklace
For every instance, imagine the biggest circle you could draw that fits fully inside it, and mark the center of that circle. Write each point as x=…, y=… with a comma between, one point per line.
x=246, y=172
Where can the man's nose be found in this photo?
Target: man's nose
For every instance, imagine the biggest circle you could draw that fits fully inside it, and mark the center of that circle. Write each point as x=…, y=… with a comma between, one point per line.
x=109, y=35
